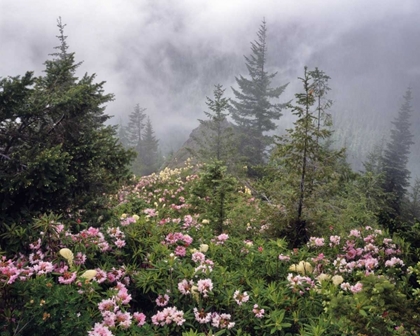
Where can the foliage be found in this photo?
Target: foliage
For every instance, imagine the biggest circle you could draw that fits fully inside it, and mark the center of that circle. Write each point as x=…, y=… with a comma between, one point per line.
x=213, y=193
x=56, y=153
x=252, y=110
x=396, y=174
x=305, y=166
x=165, y=271
x=140, y=136
x=150, y=153
x=216, y=139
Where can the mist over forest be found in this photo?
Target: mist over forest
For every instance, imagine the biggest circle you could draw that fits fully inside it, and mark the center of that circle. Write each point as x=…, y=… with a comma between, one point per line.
x=167, y=57
x=193, y=168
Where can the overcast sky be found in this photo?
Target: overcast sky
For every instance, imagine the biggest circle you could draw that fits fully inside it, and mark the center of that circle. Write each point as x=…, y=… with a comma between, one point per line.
x=167, y=55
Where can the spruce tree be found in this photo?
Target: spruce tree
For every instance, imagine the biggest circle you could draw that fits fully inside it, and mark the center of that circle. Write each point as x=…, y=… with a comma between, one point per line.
x=216, y=139
x=122, y=135
x=414, y=203
x=57, y=155
x=252, y=111
x=135, y=127
x=396, y=174
x=134, y=130
x=149, y=155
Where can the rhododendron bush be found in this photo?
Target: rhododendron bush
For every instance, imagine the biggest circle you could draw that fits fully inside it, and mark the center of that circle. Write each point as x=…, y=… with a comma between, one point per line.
x=161, y=267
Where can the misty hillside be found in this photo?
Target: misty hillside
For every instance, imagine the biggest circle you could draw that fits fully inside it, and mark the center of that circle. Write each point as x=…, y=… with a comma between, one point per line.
x=195, y=168
x=167, y=57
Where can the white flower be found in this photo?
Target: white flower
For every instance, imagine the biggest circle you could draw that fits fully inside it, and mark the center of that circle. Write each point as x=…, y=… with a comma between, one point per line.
x=323, y=277
x=89, y=274
x=303, y=267
x=204, y=248
x=67, y=254
x=337, y=279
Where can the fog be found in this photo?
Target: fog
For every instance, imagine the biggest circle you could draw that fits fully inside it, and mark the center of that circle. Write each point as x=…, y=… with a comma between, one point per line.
x=167, y=55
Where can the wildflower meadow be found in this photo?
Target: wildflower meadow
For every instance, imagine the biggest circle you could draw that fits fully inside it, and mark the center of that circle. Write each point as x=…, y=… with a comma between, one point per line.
x=162, y=266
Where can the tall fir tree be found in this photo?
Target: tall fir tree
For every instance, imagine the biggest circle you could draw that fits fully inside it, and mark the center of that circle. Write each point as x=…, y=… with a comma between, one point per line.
x=122, y=135
x=216, y=139
x=57, y=155
x=134, y=130
x=396, y=174
x=252, y=111
x=149, y=155
x=414, y=203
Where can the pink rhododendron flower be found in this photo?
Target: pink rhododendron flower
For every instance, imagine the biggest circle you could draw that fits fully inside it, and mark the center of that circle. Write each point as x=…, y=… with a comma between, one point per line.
x=198, y=257
x=315, y=241
x=394, y=261
x=123, y=319
x=180, y=251
x=107, y=305
x=298, y=281
x=150, y=212
x=67, y=278
x=185, y=286
x=79, y=259
x=120, y=243
x=204, y=286
x=284, y=258
x=36, y=245
x=222, y=237
x=222, y=321
x=100, y=276
x=351, y=254
x=140, y=318
x=109, y=318
x=201, y=316
x=259, y=313
x=35, y=258
x=104, y=246
x=100, y=330
x=356, y=288
x=162, y=300
x=240, y=298
x=115, y=232
x=43, y=267
x=123, y=296
x=203, y=268
x=345, y=286
x=187, y=240
x=334, y=240
x=167, y=316
x=354, y=233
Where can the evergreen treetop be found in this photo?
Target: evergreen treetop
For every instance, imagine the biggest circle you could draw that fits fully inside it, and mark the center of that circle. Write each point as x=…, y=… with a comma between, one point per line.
x=252, y=110
x=394, y=162
x=216, y=141
x=57, y=154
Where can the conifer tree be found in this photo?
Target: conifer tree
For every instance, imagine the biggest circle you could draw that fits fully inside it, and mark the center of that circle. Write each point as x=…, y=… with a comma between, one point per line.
x=252, y=110
x=374, y=161
x=122, y=135
x=149, y=155
x=304, y=163
x=216, y=139
x=395, y=159
x=134, y=130
x=414, y=203
x=57, y=155
x=135, y=127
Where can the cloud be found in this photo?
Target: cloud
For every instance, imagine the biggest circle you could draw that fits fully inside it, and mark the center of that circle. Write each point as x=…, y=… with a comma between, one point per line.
x=167, y=55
